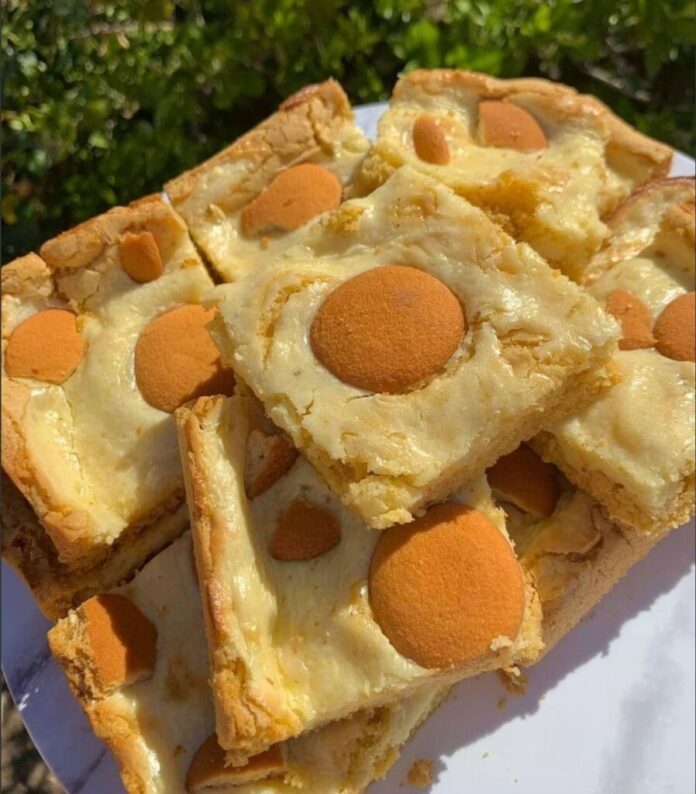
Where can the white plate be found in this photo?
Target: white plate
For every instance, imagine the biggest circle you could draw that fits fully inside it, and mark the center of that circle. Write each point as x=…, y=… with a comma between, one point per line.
x=610, y=710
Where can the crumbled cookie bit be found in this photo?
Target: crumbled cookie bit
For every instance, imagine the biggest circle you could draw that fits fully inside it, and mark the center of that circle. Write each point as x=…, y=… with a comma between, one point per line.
x=513, y=679
x=420, y=775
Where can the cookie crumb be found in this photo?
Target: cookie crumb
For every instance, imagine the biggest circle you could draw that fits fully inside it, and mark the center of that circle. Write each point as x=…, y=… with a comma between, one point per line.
x=513, y=679
x=420, y=775
x=502, y=703
x=485, y=755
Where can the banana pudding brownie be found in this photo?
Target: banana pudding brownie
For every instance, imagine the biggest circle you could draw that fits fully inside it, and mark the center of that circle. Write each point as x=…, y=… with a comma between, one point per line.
x=547, y=163
x=240, y=204
x=632, y=448
x=309, y=614
x=103, y=338
x=405, y=342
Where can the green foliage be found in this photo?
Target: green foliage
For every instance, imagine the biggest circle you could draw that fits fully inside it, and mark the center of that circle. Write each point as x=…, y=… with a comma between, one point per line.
x=106, y=100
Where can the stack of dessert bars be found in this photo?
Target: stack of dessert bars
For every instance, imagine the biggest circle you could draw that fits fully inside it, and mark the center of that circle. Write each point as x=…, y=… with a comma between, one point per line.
x=332, y=424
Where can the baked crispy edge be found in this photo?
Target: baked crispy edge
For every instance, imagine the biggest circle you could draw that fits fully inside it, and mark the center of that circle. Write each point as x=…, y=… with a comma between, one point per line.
x=561, y=101
x=254, y=143
x=621, y=548
x=116, y=723
x=677, y=193
x=240, y=723
x=578, y=391
x=615, y=498
x=618, y=501
x=71, y=530
x=77, y=247
x=55, y=587
x=242, y=726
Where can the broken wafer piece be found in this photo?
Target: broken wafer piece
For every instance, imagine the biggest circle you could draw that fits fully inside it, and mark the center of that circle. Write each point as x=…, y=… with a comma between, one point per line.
x=574, y=553
x=94, y=363
x=346, y=618
x=404, y=342
x=240, y=205
x=135, y=659
x=547, y=163
x=632, y=448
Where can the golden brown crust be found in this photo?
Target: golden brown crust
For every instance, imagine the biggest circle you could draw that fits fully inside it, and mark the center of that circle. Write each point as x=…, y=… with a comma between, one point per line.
x=634, y=224
x=232, y=203
x=302, y=126
x=208, y=768
x=27, y=275
x=620, y=504
x=82, y=244
x=241, y=721
x=578, y=392
x=70, y=529
x=677, y=188
x=153, y=751
x=594, y=574
x=116, y=723
x=28, y=549
x=250, y=715
x=650, y=157
x=665, y=207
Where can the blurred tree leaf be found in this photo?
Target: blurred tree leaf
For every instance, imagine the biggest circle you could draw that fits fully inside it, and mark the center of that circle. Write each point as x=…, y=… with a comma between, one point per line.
x=106, y=99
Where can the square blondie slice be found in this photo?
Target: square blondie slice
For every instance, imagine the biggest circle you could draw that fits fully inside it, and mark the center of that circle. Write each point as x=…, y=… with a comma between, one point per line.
x=102, y=338
x=405, y=342
x=564, y=539
x=547, y=163
x=309, y=614
x=135, y=659
x=296, y=164
x=632, y=448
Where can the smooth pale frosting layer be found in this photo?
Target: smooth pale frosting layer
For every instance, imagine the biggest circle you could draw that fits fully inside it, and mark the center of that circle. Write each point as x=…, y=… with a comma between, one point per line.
x=640, y=433
x=552, y=179
x=170, y=713
x=100, y=446
x=517, y=353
